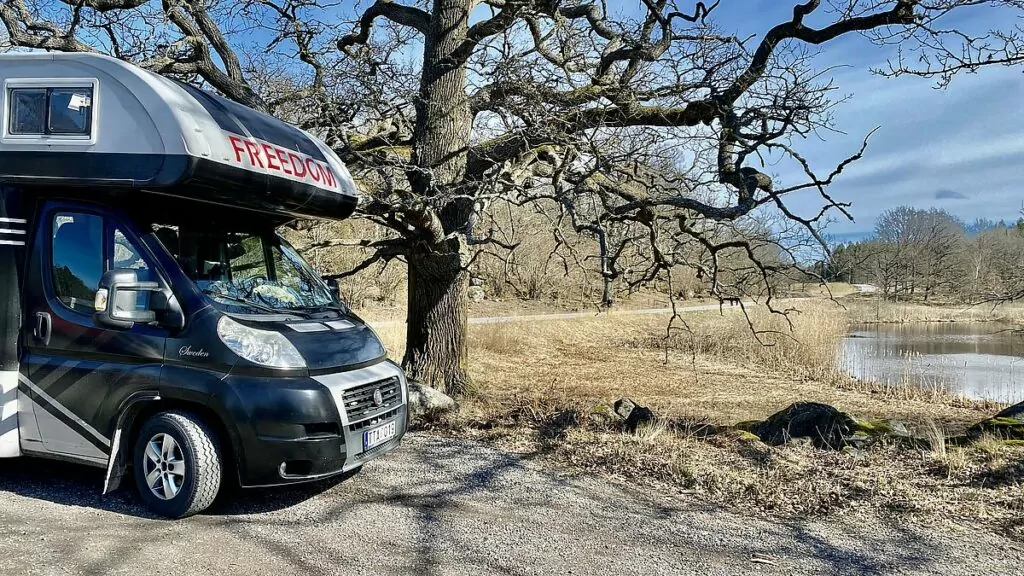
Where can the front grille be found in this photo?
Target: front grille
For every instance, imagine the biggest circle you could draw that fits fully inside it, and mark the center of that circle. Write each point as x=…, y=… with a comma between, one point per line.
x=370, y=422
x=359, y=404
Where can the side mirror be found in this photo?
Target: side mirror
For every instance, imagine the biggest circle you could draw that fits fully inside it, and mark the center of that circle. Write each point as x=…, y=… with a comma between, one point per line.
x=117, y=298
x=333, y=284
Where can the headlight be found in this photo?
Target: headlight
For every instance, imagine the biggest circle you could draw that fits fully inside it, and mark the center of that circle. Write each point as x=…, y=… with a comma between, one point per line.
x=264, y=347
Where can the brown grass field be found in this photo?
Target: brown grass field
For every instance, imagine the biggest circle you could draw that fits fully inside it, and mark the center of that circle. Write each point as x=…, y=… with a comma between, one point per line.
x=539, y=382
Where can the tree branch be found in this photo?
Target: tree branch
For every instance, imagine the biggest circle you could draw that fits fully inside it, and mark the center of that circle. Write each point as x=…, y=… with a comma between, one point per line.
x=405, y=15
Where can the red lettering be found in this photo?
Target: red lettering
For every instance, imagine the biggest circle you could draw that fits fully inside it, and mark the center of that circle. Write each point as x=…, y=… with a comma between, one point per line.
x=328, y=176
x=297, y=165
x=238, y=146
x=313, y=169
x=282, y=155
x=254, y=153
x=271, y=155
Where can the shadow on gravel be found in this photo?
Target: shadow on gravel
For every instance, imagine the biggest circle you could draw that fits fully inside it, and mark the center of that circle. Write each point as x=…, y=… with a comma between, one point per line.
x=76, y=485
x=879, y=556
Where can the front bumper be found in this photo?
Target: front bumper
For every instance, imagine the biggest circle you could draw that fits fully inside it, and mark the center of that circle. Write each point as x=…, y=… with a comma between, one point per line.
x=304, y=433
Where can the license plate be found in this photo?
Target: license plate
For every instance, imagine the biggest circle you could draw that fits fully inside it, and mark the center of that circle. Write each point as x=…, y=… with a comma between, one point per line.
x=379, y=435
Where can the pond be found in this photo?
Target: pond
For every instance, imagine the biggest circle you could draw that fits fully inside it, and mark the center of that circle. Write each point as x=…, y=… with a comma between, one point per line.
x=977, y=360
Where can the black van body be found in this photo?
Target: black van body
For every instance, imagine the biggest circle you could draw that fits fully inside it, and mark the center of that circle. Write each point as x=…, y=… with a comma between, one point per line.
x=154, y=320
x=103, y=383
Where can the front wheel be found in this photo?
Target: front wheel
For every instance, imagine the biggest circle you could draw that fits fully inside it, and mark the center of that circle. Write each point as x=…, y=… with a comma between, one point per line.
x=178, y=465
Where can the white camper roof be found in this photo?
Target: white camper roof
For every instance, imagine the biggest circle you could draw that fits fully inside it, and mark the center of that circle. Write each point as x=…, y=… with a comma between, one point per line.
x=95, y=121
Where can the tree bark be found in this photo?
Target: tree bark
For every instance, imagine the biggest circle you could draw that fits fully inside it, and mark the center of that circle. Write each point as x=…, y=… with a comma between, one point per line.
x=436, y=351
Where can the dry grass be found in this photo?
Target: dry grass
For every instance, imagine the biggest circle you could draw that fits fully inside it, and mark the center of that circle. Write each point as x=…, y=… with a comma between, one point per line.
x=874, y=310
x=540, y=382
x=975, y=485
x=827, y=290
x=716, y=370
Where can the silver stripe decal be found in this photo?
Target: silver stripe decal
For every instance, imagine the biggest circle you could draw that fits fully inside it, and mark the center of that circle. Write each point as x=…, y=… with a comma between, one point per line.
x=11, y=231
x=60, y=407
x=58, y=373
x=111, y=459
x=13, y=220
x=11, y=243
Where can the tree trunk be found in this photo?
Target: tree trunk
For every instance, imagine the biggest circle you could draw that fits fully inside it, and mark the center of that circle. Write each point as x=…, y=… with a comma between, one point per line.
x=436, y=352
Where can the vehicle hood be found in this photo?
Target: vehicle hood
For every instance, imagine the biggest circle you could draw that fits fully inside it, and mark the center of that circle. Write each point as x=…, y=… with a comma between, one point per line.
x=334, y=343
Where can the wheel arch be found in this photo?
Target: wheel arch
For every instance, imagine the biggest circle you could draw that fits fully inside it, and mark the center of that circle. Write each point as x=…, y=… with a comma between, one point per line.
x=140, y=407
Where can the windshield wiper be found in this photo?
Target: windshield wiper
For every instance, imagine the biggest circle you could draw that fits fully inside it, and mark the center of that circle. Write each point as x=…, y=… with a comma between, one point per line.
x=243, y=302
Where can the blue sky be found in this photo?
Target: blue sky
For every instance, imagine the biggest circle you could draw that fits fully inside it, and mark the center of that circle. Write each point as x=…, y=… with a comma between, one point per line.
x=961, y=148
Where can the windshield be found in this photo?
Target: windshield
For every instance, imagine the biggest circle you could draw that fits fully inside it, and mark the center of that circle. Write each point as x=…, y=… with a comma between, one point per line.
x=258, y=271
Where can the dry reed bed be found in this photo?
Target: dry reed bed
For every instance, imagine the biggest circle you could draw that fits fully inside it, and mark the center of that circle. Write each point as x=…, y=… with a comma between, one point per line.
x=874, y=310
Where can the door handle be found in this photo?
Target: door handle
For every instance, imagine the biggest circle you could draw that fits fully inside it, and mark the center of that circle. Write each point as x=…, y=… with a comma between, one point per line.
x=44, y=326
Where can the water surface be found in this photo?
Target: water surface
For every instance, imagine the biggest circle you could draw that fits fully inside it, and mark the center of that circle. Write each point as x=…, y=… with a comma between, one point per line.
x=978, y=360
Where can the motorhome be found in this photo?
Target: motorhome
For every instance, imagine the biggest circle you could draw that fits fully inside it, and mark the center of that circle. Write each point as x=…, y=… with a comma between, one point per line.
x=152, y=321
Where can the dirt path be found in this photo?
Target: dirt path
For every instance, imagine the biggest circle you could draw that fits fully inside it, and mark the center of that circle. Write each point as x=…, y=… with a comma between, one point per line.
x=593, y=314
x=439, y=506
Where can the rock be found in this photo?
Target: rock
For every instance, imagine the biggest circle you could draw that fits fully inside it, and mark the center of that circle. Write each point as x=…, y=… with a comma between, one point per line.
x=747, y=436
x=800, y=442
x=1003, y=427
x=475, y=293
x=880, y=427
x=603, y=415
x=823, y=425
x=897, y=428
x=1015, y=411
x=623, y=406
x=424, y=400
x=640, y=415
x=476, y=281
x=1007, y=424
x=633, y=414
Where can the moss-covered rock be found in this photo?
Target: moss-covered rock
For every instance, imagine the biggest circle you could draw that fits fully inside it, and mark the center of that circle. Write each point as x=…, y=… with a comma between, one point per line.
x=1004, y=427
x=747, y=436
x=603, y=416
x=820, y=424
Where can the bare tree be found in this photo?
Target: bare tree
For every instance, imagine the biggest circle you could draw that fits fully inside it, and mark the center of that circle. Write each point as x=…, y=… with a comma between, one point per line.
x=919, y=252
x=647, y=133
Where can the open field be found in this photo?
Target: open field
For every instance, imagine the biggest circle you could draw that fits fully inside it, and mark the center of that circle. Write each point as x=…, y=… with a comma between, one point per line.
x=539, y=384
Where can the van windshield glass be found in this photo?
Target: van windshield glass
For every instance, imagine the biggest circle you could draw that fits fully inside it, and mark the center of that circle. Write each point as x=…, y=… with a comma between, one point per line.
x=258, y=271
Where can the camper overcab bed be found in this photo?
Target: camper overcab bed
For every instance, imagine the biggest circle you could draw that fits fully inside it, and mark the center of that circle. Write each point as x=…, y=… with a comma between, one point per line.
x=150, y=318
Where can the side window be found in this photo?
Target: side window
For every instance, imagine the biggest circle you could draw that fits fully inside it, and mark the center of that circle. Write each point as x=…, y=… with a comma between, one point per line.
x=77, y=259
x=28, y=111
x=50, y=111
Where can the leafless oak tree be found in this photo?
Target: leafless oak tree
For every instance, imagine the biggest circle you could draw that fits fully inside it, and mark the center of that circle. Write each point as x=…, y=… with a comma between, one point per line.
x=649, y=133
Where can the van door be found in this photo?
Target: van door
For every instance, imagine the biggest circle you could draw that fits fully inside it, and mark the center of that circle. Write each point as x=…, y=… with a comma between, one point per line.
x=76, y=373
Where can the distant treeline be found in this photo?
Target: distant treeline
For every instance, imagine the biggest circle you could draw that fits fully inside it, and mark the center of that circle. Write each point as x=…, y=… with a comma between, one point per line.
x=923, y=254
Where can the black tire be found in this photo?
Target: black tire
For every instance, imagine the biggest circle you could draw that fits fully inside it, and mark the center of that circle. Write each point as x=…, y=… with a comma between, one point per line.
x=202, y=464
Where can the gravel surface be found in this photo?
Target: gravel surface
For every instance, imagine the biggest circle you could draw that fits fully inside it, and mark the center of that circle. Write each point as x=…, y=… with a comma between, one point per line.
x=438, y=506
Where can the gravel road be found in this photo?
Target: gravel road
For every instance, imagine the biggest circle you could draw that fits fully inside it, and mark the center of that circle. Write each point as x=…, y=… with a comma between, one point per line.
x=438, y=506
